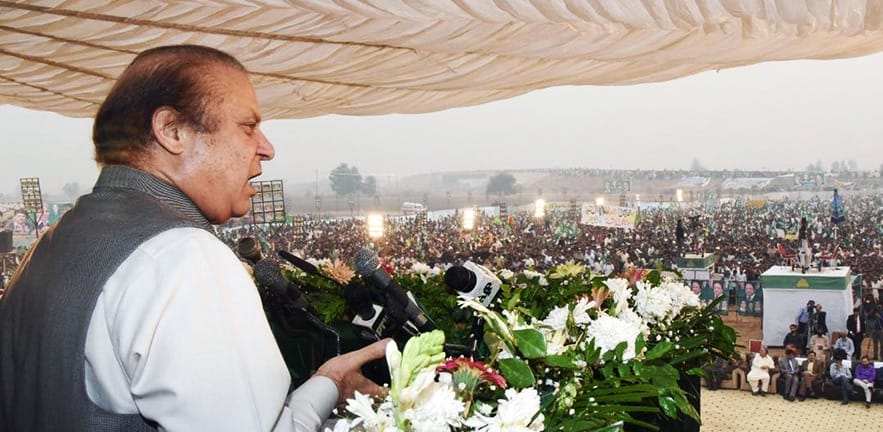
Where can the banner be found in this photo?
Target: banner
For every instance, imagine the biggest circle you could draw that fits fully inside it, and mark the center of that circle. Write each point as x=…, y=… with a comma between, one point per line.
x=617, y=185
x=608, y=216
x=809, y=179
x=749, y=298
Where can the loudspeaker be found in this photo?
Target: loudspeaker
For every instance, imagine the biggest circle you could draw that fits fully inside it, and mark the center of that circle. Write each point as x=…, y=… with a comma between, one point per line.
x=5, y=241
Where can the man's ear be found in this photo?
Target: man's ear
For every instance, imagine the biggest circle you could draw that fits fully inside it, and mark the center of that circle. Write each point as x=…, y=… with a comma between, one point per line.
x=168, y=130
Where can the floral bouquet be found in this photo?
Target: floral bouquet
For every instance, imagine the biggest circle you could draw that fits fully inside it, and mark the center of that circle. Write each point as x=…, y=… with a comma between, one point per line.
x=566, y=350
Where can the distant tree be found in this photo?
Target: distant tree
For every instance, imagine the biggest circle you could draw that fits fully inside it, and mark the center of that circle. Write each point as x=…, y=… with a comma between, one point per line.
x=696, y=166
x=502, y=184
x=853, y=165
x=345, y=180
x=835, y=167
x=369, y=186
x=72, y=190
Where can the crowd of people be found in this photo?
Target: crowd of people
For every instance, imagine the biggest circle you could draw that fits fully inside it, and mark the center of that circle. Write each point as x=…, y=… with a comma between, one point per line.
x=745, y=238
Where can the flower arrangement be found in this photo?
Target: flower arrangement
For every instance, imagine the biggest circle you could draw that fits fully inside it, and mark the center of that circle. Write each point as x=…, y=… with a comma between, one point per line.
x=565, y=350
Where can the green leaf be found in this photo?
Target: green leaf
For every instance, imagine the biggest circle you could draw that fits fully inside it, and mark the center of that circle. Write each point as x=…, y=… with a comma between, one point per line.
x=561, y=361
x=517, y=372
x=531, y=343
x=669, y=407
x=659, y=350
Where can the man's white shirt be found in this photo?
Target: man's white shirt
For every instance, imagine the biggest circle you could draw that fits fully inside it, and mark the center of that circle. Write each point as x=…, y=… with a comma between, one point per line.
x=179, y=335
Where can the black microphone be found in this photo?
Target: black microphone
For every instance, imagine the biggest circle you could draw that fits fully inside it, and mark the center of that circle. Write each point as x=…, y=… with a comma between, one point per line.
x=383, y=322
x=367, y=265
x=300, y=263
x=268, y=274
x=249, y=249
x=477, y=282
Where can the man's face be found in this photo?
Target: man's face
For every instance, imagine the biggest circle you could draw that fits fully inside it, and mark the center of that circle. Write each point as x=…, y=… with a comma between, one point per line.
x=749, y=290
x=222, y=163
x=19, y=218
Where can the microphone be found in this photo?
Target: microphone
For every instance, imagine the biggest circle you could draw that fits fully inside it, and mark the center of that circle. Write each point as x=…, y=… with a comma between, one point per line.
x=268, y=274
x=367, y=265
x=249, y=249
x=300, y=263
x=382, y=323
x=477, y=282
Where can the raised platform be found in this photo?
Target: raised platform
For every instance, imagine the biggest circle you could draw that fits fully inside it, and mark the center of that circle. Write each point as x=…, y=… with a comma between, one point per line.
x=787, y=292
x=829, y=278
x=697, y=261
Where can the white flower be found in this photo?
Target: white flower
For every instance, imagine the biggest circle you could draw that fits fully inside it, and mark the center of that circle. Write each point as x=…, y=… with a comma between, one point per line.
x=435, y=408
x=514, y=414
x=420, y=268
x=505, y=274
x=653, y=303
x=435, y=271
x=361, y=406
x=557, y=318
x=620, y=289
x=542, y=281
x=608, y=332
x=530, y=274
x=556, y=342
x=581, y=311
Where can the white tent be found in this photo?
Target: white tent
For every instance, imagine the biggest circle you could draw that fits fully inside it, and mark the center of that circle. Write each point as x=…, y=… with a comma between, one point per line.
x=361, y=57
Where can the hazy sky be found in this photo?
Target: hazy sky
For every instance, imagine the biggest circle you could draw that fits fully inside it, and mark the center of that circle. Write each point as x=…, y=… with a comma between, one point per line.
x=772, y=115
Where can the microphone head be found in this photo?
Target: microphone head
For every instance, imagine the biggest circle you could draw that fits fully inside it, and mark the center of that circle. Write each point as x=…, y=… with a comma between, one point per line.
x=460, y=278
x=267, y=273
x=366, y=261
x=249, y=249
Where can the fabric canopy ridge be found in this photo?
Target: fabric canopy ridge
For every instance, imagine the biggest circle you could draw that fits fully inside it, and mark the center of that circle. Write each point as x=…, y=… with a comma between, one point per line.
x=364, y=57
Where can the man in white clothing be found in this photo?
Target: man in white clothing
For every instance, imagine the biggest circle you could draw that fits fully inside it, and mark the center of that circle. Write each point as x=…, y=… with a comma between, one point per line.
x=129, y=314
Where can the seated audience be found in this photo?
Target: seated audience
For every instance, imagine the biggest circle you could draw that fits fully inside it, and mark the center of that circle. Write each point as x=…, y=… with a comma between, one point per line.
x=864, y=378
x=759, y=375
x=794, y=340
x=820, y=344
x=841, y=375
x=789, y=370
x=843, y=343
x=811, y=371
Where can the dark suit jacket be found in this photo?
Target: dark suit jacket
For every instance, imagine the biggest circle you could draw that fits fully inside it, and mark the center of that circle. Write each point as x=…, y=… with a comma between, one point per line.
x=818, y=369
x=850, y=324
x=783, y=366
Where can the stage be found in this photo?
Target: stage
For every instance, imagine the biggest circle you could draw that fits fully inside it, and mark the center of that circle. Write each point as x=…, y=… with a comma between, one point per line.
x=786, y=292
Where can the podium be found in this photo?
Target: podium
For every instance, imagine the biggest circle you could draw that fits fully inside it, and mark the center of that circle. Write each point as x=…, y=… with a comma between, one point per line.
x=787, y=291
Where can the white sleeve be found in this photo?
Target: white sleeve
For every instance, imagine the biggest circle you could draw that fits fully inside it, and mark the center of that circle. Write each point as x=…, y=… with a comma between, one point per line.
x=187, y=333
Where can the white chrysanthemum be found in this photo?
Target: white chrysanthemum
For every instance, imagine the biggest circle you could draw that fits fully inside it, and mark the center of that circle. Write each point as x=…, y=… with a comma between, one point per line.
x=437, y=410
x=652, y=303
x=420, y=268
x=542, y=281
x=620, y=289
x=608, y=332
x=435, y=271
x=505, y=274
x=581, y=311
x=530, y=274
x=557, y=318
x=514, y=414
x=682, y=295
x=362, y=407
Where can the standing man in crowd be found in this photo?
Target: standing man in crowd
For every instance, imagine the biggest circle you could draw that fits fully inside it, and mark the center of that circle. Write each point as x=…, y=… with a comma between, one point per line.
x=129, y=314
x=855, y=330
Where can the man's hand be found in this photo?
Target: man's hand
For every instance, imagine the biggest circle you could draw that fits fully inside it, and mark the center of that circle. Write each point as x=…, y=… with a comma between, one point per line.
x=346, y=372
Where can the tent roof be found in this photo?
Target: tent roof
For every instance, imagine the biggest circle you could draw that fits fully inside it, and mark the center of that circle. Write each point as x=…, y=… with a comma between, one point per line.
x=361, y=57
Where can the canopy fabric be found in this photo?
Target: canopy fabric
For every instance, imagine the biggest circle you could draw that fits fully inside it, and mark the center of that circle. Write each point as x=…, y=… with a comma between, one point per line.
x=361, y=57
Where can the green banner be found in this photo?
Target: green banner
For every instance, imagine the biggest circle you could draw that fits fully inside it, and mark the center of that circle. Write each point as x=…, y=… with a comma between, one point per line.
x=804, y=282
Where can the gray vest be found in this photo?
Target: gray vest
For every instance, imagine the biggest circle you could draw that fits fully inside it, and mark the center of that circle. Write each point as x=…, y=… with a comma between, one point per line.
x=45, y=314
